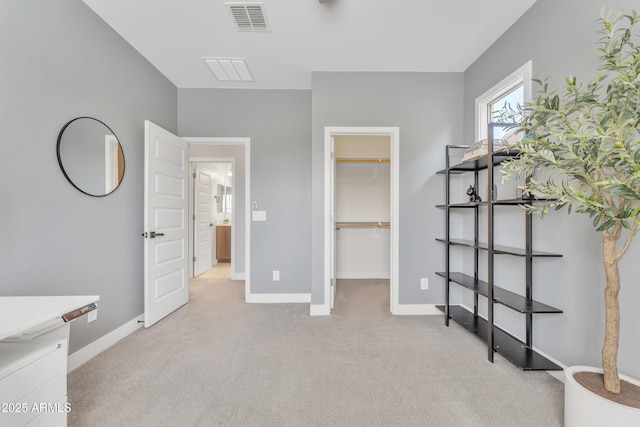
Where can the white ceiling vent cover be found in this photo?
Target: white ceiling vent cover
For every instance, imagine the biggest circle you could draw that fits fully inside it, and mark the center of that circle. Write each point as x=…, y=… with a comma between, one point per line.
x=249, y=16
x=229, y=69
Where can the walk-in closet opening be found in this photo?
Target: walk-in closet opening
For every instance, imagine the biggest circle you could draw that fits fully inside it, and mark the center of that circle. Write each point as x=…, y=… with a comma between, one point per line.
x=362, y=206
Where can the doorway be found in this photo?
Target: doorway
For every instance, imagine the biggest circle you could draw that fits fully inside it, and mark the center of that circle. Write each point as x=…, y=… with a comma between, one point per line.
x=213, y=206
x=230, y=201
x=362, y=206
x=385, y=228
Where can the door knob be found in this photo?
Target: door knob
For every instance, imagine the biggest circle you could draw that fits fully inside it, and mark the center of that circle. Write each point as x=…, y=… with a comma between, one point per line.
x=152, y=235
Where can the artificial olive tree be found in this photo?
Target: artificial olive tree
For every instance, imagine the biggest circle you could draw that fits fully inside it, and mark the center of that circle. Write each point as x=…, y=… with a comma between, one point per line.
x=581, y=149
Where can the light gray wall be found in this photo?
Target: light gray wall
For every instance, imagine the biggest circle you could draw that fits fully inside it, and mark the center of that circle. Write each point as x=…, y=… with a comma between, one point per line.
x=560, y=38
x=426, y=107
x=278, y=123
x=60, y=61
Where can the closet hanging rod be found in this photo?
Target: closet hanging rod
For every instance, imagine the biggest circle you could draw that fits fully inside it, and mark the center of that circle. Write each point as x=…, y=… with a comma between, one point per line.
x=378, y=224
x=346, y=160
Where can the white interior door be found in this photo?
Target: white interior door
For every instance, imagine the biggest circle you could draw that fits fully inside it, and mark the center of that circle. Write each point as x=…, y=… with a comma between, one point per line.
x=203, y=223
x=166, y=185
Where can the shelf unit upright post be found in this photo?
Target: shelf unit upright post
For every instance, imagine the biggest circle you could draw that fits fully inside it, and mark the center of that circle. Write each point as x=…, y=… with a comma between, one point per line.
x=476, y=246
x=529, y=277
x=519, y=351
x=447, y=233
x=447, y=207
x=490, y=246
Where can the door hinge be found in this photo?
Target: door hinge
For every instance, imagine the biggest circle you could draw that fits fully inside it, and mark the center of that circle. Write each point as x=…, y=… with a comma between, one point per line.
x=194, y=175
x=194, y=259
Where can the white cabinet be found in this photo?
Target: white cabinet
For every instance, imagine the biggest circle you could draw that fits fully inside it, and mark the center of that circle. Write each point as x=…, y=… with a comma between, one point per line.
x=33, y=382
x=34, y=336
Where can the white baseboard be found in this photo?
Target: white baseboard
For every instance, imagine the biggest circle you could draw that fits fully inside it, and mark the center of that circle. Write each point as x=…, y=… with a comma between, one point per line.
x=319, y=310
x=101, y=344
x=237, y=276
x=401, y=310
x=363, y=275
x=278, y=298
x=415, y=310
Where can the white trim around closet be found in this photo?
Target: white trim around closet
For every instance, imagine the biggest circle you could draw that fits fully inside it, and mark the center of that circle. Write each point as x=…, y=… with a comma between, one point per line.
x=394, y=134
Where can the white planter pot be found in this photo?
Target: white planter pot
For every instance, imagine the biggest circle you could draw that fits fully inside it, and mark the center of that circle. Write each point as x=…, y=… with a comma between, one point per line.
x=582, y=408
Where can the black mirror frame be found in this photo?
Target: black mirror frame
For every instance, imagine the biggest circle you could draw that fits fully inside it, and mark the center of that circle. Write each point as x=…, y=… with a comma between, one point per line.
x=65, y=172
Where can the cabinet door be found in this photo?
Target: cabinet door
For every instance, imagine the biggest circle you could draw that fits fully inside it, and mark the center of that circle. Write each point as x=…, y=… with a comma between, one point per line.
x=223, y=243
x=33, y=373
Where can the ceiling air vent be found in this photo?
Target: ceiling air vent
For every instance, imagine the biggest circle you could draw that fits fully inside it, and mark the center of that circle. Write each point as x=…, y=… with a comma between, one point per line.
x=249, y=16
x=229, y=69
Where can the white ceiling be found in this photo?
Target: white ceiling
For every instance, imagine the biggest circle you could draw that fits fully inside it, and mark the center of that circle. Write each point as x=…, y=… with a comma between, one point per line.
x=306, y=36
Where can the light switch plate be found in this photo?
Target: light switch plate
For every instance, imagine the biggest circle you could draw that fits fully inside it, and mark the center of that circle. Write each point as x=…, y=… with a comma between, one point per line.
x=259, y=215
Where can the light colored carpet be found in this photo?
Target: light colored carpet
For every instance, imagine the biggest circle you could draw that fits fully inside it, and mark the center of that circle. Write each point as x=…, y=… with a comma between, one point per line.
x=221, y=270
x=220, y=362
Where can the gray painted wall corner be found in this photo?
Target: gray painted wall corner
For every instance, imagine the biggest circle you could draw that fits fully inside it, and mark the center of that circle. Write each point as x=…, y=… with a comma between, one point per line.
x=56, y=240
x=564, y=44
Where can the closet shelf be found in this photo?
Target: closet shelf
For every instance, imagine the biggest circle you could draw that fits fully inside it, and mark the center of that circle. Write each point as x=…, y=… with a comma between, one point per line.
x=375, y=224
x=363, y=160
x=510, y=347
x=497, y=249
x=500, y=295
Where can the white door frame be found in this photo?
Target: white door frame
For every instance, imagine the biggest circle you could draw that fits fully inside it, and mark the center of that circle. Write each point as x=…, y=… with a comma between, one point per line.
x=246, y=142
x=394, y=134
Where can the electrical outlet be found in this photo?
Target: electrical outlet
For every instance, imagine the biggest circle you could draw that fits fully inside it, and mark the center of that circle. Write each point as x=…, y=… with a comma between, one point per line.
x=276, y=275
x=92, y=315
x=424, y=284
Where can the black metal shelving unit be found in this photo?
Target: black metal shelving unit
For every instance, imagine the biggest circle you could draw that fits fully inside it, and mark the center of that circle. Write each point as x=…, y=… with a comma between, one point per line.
x=519, y=352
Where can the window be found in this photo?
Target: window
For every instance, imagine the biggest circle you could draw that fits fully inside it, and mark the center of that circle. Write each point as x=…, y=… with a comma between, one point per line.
x=512, y=90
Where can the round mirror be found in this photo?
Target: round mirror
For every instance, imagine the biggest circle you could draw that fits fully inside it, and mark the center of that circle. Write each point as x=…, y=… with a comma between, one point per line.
x=90, y=156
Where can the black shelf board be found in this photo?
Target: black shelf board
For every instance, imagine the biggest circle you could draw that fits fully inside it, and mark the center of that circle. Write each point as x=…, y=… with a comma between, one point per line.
x=501, y=296
x=524, y=201
x=460, y=205
x=501, y=250
x=502, y=202
x=510, y=347
x=477, y=164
